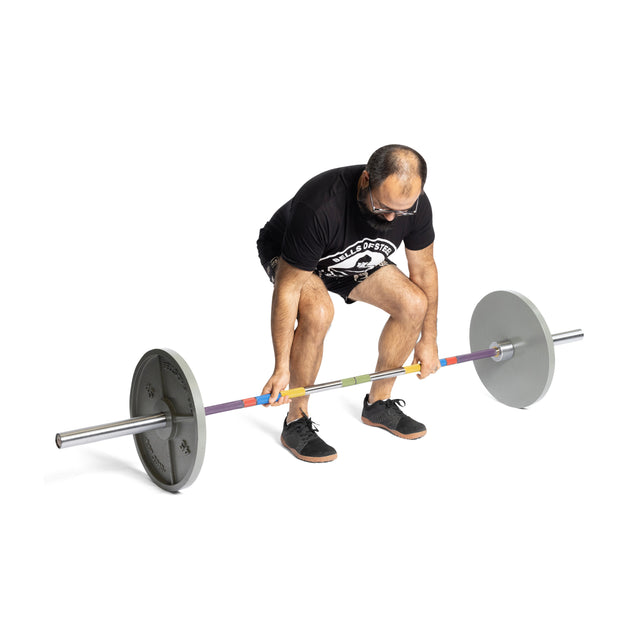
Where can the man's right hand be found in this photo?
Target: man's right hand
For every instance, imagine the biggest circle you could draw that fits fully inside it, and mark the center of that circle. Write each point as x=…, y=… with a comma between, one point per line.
x=277, y=382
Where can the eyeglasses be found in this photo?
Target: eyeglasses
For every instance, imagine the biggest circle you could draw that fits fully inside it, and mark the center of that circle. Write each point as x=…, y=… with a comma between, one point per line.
x=407, y=212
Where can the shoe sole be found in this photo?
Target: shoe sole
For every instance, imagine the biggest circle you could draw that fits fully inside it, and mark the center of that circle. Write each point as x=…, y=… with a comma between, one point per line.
x=329, y=458
x=404, y=436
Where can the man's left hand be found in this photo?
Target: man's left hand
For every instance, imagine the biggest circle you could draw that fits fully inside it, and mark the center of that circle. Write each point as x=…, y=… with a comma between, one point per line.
x=426, y=354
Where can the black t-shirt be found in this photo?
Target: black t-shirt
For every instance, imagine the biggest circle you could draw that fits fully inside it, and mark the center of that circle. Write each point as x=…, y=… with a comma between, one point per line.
x=322, y=228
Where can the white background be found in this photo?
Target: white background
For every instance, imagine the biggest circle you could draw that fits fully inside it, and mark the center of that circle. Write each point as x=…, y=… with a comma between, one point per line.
x=143, y=145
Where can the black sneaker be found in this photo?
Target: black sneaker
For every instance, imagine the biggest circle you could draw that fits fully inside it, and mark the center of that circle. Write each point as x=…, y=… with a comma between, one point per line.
x=300, y=437
x=387, y=415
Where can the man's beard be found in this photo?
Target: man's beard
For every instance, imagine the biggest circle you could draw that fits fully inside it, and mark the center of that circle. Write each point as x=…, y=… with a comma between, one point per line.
x=373, y=220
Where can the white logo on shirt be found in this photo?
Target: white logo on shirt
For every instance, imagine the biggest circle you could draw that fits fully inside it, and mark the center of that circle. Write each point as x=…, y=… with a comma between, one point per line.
x=359, y=258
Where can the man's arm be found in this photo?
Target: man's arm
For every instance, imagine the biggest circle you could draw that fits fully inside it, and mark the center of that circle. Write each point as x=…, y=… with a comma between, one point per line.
x=424, y=273
x=284, y=311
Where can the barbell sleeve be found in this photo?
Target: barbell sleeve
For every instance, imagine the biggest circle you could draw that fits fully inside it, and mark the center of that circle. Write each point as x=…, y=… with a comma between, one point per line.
x=110, y=430
x=567, y=336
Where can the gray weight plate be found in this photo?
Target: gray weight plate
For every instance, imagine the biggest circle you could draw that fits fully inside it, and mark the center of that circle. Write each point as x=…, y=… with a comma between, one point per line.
x=172, y=455
x=507, y=315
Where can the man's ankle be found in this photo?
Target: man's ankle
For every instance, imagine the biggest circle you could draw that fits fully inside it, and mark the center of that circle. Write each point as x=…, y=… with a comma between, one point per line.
x=295, y=414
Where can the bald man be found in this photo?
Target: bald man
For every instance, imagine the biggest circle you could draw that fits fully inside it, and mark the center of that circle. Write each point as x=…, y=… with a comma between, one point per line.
x=337, y=235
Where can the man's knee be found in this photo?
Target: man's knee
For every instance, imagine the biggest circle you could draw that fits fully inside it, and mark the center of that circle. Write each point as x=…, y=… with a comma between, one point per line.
x=412, y=305
x=315, y=312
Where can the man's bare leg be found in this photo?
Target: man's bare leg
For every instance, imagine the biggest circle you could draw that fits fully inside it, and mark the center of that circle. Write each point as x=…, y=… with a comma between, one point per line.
x=315, y=314
x=390, y=290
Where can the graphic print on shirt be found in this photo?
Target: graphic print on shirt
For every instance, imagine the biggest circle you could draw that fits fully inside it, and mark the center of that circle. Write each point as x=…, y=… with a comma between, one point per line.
x=356, y=259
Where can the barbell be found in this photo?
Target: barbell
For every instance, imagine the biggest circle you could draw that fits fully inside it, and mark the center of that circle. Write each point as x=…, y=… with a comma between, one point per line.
x=512, y=350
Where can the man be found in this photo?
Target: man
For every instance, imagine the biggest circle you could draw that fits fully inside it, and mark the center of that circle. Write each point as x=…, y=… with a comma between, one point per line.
x=337, y=234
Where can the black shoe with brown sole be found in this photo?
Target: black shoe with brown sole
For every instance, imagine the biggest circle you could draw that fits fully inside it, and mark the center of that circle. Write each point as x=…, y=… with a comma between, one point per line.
x=302, y=439
x=387, y=414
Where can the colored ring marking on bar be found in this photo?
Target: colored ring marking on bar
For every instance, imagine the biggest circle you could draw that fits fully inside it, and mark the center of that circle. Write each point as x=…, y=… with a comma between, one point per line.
x=414, y=368
x=296, y=392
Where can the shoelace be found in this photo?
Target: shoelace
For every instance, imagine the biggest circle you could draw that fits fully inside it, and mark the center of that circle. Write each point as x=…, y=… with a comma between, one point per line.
x=395, y=405
x=306, y=429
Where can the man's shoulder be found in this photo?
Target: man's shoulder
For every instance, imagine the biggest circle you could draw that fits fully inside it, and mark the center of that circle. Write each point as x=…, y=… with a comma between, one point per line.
x=331, y=185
